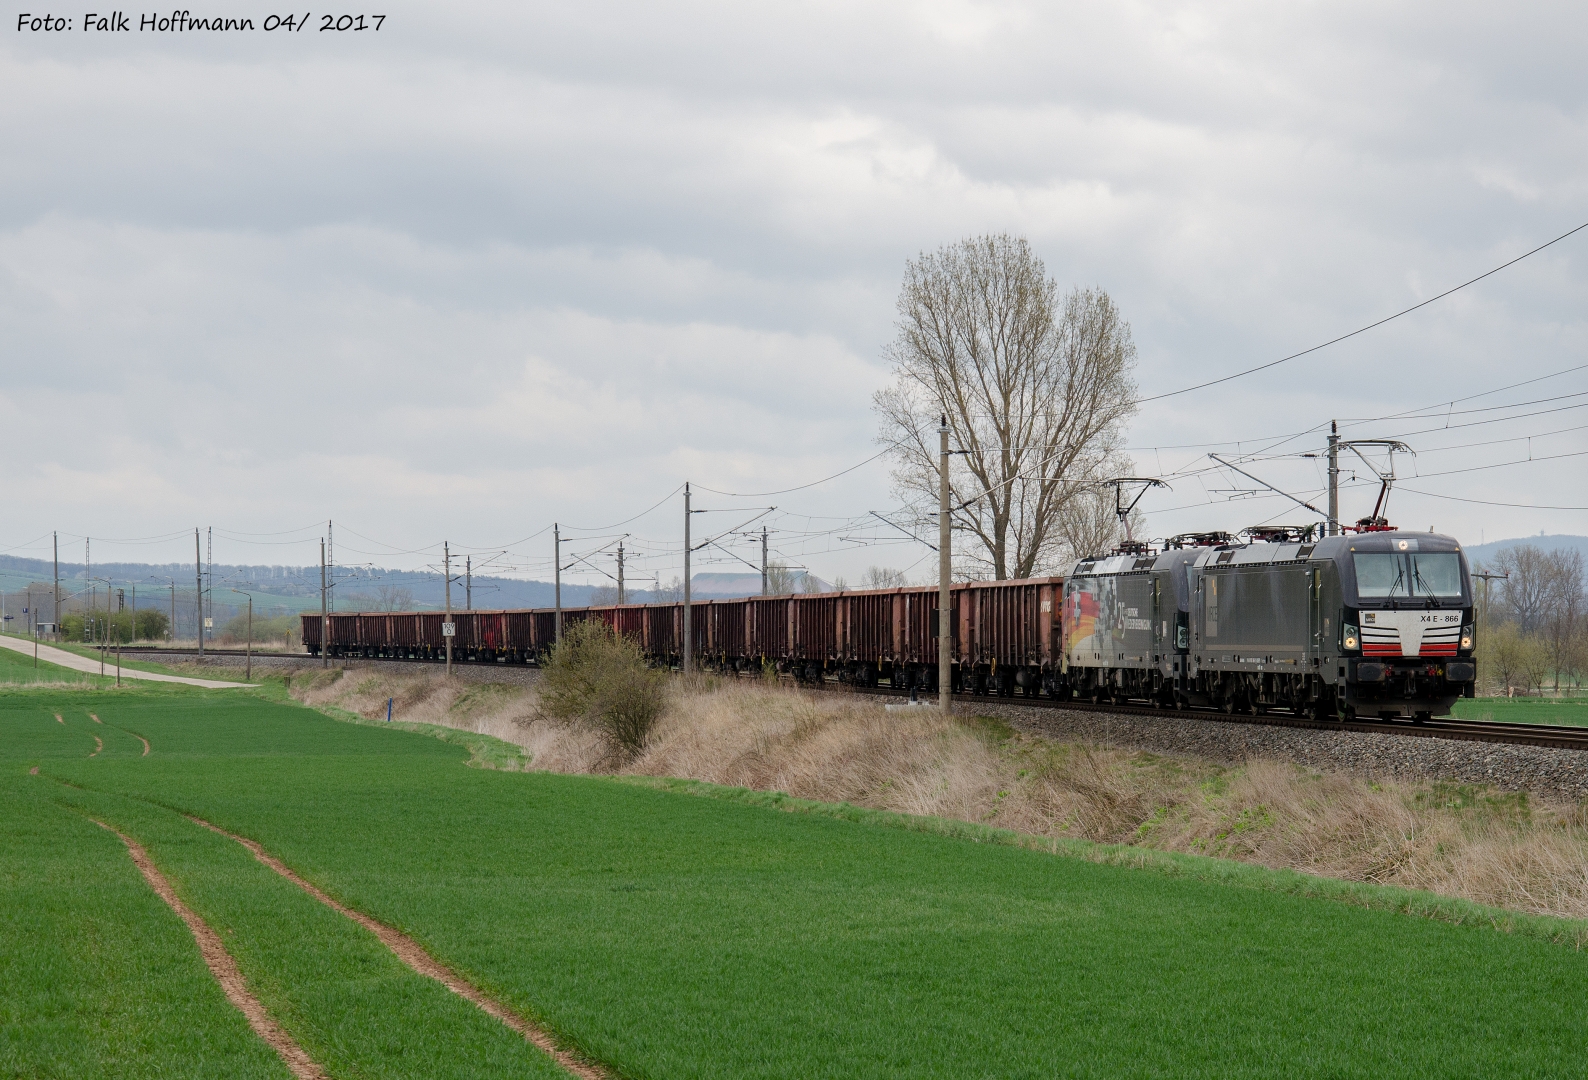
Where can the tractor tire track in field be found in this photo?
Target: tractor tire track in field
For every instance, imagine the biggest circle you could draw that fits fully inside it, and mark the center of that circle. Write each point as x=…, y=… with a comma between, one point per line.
x=413, y=954
x=99, y=744
x=58, y=719
x=224, y=968
x=95, y=718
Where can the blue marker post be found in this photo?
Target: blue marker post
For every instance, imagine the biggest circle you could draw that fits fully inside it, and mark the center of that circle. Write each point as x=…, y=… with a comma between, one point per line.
x=388, y=710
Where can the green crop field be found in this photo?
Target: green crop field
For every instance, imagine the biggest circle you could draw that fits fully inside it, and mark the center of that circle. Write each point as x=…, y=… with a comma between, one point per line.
x=668, y=934
x=1571, y=711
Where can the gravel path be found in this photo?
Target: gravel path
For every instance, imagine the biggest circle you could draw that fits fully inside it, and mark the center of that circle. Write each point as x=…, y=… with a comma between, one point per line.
x=62, y=658
x=1545, y=771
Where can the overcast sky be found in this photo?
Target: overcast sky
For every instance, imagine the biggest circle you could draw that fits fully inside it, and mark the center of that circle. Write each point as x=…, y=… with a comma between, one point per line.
x=495, y=266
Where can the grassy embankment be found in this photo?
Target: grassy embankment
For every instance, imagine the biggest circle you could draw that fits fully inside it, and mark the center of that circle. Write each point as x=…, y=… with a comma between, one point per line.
x=668, y=934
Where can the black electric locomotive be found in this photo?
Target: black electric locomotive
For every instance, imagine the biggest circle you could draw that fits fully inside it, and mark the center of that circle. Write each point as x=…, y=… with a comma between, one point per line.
x=1374, y=623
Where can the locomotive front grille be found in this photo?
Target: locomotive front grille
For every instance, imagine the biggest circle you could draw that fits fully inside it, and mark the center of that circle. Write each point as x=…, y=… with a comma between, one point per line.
x=1410, y=633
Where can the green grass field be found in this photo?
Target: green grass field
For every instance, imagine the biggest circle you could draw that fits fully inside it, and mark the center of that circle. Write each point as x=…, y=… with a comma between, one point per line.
x=1571, y=711
x=667, y=934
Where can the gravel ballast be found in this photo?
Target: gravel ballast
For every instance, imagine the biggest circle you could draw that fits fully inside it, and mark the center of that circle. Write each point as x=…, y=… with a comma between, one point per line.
x=1545, y=771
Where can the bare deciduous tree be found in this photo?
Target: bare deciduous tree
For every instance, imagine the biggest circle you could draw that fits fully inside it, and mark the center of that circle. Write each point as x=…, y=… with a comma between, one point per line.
x=882, y=577
x=780, y=580
x=394, y=598
x=1035, y=387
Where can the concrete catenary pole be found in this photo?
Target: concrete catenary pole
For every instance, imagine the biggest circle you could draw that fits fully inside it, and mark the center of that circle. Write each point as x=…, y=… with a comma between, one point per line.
x=198, y=584
x=688, y=627
x=763, y=560
x=556, y=562
x=622, y=597
x=57, y=542
x=468, y=583
x=330, y=562
x=945, y=567
x=170, y=631
x=1334, y=478
x=325, y=614
x=446, y=572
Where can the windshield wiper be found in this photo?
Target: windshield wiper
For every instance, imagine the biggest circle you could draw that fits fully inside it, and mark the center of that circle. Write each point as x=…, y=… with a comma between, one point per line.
x=1398, y=583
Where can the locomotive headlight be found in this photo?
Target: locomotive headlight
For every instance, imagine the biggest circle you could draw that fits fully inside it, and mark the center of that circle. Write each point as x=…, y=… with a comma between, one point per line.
x=1466, y=637
x=1348, y=636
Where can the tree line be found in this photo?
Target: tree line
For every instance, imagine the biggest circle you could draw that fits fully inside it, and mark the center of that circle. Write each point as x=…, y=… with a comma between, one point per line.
x=1532, y=620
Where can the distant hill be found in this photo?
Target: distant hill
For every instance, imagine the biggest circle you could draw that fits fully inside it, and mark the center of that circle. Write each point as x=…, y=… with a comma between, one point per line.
x=1485, y=553
x=277, y=590
x=288, y=590
x=730, y=586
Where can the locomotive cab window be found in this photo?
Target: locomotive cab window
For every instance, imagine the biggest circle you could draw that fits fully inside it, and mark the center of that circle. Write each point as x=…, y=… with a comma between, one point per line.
x=1386, y=576
x=1436, y=573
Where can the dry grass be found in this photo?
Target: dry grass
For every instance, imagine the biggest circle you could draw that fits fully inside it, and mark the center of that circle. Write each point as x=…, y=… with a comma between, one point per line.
x=1503, y=849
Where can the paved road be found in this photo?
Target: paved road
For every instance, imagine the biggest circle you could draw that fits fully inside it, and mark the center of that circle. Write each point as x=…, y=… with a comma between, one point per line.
x=82, y=663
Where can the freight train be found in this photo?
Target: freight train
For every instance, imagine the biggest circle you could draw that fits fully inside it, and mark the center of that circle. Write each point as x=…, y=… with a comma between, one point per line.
x=1376, y=622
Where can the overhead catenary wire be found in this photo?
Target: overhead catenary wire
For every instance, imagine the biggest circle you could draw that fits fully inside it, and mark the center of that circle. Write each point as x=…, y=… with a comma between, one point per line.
x=1362, y=329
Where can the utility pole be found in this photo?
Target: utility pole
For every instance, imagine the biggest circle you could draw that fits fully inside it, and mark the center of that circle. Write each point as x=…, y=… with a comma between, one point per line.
x=1334, y=478
x=688, y=611
x=135, y=613
x=209, y=589
x=198, y=584
x=945, y=567
x=622, y=598
x=446, y=572
x=325, y=614
x=763, y=560
x=170, y=631
x=556, y=544
x=330, y=557
x=468, y=583
x=57, y=542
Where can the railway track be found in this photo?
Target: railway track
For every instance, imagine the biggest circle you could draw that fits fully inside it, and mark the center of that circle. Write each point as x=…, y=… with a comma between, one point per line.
x=1565, y=738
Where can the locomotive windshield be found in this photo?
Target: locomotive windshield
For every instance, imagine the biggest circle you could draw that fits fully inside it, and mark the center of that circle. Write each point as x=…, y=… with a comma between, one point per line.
x=1433, y=574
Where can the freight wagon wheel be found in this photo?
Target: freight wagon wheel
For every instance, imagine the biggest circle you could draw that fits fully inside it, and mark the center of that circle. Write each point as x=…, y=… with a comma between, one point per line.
x=1422, y=717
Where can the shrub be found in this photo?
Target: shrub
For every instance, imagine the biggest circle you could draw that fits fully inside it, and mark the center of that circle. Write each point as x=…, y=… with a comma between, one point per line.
x=284, y=628
x=597, y=678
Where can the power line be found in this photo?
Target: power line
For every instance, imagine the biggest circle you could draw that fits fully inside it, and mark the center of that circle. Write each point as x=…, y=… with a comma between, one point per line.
x=1487, y=502
x=802, y=487
x=1363, y=329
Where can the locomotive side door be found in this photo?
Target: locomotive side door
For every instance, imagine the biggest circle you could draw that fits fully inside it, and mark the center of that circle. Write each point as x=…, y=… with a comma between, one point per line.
x=1315, y=610
x=1157, y=617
